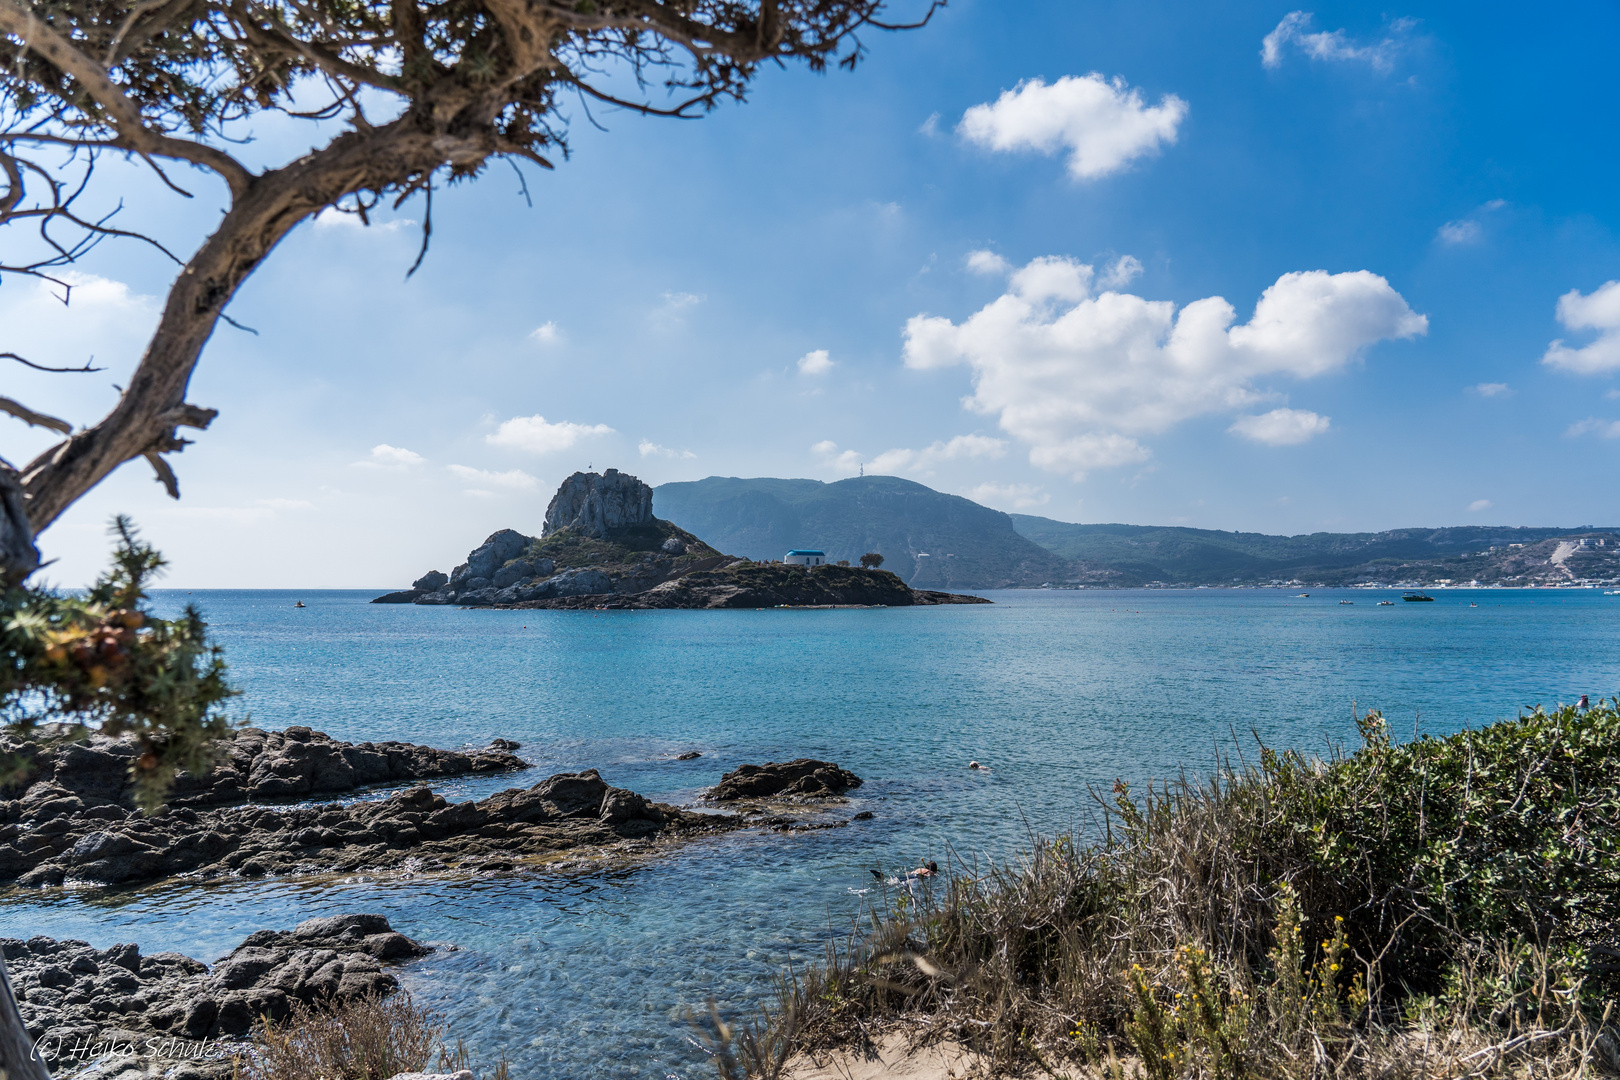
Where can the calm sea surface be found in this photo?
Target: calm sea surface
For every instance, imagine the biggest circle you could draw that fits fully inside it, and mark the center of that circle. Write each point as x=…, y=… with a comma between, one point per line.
x=590, y=976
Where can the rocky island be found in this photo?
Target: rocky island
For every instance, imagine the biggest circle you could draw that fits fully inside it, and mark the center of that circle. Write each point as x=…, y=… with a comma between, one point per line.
x=600, y=547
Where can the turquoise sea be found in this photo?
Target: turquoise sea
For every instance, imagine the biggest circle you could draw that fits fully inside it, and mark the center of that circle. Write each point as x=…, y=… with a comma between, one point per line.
x=592, y=975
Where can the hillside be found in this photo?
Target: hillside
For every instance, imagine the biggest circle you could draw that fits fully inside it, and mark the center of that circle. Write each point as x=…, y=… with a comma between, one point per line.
x=1487, y=554
x=930, y=539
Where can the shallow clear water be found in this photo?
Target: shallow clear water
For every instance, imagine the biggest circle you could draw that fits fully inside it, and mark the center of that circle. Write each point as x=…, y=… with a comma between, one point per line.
x=590, y=975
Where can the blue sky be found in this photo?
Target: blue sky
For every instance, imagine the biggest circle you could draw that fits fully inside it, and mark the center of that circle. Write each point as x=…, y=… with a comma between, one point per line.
x=941, y=267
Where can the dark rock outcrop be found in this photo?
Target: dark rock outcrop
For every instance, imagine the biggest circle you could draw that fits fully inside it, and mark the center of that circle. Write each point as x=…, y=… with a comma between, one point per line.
x=597, y=506
x=803, y=776
x=72, y=994
x=50, y=836
x=253, y=765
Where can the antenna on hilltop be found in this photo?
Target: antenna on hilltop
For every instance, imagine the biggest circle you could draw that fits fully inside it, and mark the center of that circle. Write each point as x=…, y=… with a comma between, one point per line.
x=863, y=468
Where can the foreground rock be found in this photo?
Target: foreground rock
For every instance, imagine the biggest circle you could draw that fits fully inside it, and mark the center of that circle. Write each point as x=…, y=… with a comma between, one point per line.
x=52, y=838
x=804, y=776
x=162, y=1008
x=601, y=547
x=253, y=765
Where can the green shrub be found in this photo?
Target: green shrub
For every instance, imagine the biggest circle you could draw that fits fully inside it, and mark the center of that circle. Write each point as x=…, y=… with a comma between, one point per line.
x=104, y=659
x=1396, y=911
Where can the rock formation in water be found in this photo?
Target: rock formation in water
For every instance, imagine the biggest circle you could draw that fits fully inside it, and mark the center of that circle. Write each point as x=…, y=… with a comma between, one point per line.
x=252, y=765
x=803, y=776
x=601, y=547
x=51, y=836
x=151, y=1012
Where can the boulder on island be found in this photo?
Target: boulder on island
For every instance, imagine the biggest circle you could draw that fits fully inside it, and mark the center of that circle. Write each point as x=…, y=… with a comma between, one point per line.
x=804, y=776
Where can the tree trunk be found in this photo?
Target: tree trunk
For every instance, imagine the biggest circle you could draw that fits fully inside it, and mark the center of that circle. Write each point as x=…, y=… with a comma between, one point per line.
x=18, y=556
x=18, y=1061
x=273, y=203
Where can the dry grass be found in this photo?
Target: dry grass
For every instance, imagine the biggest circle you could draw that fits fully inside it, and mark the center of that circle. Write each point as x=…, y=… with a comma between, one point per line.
x=1439, y=908
x=368, y=1038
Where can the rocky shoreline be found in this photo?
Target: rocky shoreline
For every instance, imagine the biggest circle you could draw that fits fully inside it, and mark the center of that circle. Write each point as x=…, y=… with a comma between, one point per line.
x=171, y=1015
x=74, y=821
x=52, y=840
x=253, y=765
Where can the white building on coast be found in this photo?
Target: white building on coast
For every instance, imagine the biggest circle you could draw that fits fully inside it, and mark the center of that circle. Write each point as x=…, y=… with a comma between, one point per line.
x=805, y=557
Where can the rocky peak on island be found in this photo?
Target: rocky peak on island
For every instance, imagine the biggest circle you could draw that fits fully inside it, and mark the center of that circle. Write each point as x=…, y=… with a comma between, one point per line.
x=601, y=547
x=598, y=506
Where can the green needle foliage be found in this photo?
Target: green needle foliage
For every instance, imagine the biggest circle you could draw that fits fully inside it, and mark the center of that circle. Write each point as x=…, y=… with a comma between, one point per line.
x=104, y=660
x=1444, y=907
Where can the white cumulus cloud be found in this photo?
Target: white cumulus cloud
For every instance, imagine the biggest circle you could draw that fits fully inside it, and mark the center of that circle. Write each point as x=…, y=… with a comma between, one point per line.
x=1295, y=30
x=816, y=362
x=515, y=479
x=1103, y=123
x=1492, y=389
x=1598, y=311
x=649, y=448
x=546, y=334
x=1479, y=504
x=1281, y=427
x=534, y=435
x=917, y=462
x=1080, y=376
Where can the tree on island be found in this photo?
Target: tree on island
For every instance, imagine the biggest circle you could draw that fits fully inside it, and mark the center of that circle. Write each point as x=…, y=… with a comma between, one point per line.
x=409, y=94
x=871, y=560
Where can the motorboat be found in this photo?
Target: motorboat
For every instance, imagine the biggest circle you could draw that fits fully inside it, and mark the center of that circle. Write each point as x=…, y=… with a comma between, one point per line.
x=1417, y=598
x=1386, y=603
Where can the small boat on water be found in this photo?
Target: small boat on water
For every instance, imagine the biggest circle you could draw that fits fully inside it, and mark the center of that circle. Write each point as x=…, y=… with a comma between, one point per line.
x=299, y=604
x=1386, y=603
x=1417, y=598
x=1347, y=602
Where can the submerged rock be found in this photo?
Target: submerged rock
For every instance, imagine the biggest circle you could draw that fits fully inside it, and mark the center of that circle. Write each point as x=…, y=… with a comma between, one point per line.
x=804, y=776
x=163, y=1005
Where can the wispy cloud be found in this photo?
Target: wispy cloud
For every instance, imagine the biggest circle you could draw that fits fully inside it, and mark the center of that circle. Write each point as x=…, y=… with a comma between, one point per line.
x=916, y=462
x=535, y=435
x=1492, y=389
x=1295, y=31
x=384, y=456
x=1121, y=272
x=546, y=334
x=1103, y=123
x=514, y=479
x=649, y=448
x=986, y=262
x=1605, y=429
x=1479, y=504
x=1009, y=496
x=1281, y=427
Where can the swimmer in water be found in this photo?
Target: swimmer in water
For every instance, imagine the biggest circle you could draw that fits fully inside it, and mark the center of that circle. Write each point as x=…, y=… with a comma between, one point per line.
x=977, y=767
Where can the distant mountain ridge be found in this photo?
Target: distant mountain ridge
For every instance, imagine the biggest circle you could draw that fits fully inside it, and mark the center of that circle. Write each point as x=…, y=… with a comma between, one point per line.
x=930, y=539
x=938, y=541
x=1177, y=555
